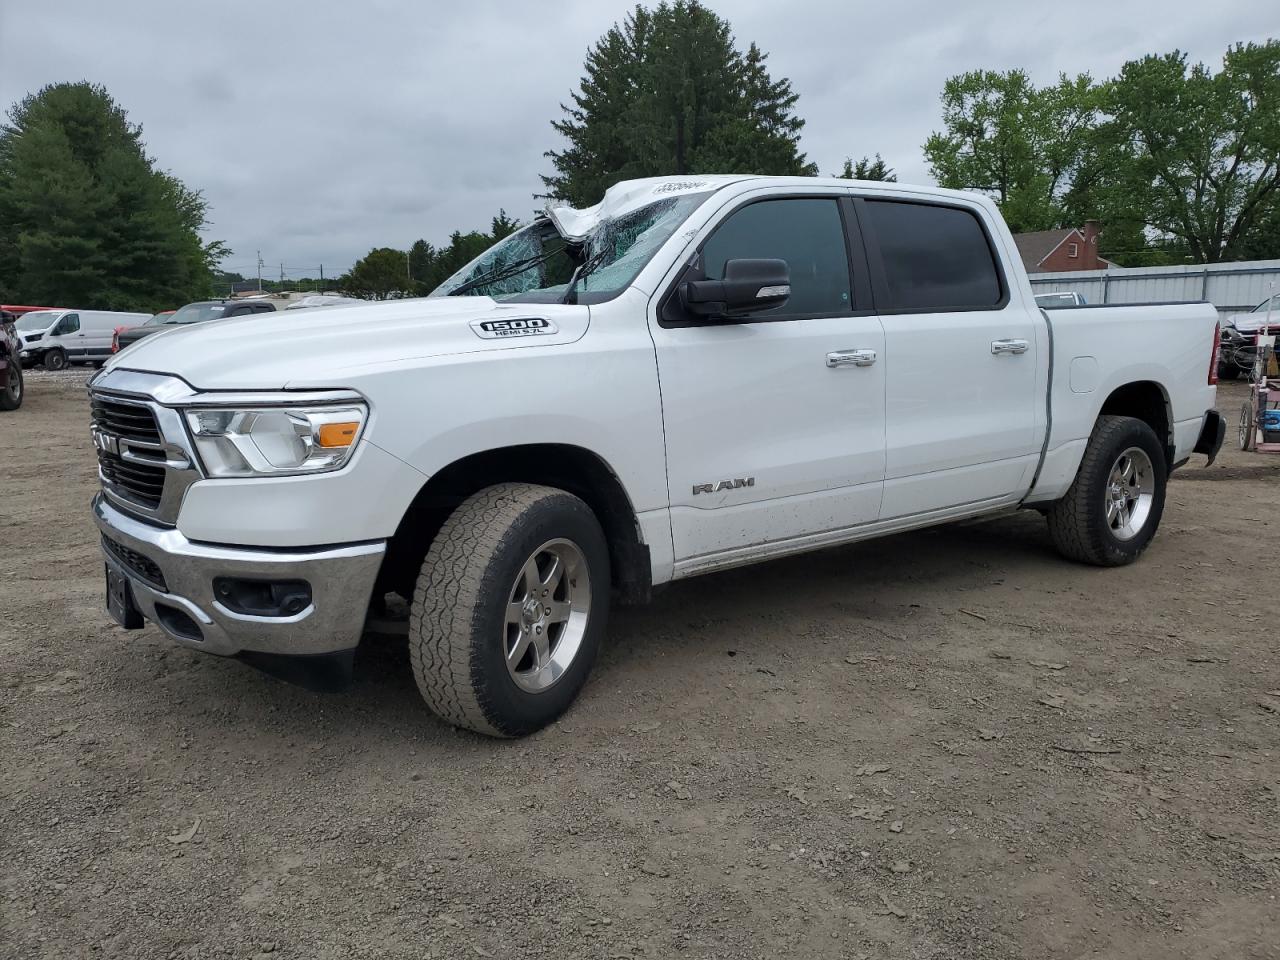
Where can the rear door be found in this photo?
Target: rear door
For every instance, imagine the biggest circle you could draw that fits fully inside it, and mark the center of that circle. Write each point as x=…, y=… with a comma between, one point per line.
x=769, y=439
x=961, y=377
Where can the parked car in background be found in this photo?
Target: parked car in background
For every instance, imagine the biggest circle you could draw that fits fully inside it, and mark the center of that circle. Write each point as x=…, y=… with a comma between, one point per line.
x=57, y=338
x=694, y=374
x=157, y=318
x=1240, y=334
x=325, y=300
x=10, y=363
x=1052, y=301
x=201, y=311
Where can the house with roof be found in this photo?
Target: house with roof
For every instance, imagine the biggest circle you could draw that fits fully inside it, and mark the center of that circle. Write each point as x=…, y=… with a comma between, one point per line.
x=1067, y=248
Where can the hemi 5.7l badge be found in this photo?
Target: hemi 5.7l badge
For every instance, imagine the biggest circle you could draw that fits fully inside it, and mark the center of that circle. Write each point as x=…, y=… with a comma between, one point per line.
x=520, y=327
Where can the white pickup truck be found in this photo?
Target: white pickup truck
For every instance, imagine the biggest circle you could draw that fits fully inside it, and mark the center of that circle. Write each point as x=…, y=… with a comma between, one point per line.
x=694, y=374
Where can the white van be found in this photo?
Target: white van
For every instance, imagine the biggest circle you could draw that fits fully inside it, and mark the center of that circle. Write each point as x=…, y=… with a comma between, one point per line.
x=59, y=337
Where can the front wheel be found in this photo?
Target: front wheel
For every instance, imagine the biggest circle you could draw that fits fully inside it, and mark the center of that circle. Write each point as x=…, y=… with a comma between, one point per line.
x=11, y=395
x=1113, y=507
x=55, y=359
x=510, y=609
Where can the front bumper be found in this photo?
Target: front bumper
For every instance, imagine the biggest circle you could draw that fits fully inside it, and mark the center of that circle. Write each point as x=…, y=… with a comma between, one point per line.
x=341, y=579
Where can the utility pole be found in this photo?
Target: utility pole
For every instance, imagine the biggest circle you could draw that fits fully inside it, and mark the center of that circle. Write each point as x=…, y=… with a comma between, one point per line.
x=282, y=278
x=259, y=271
x=322, y=278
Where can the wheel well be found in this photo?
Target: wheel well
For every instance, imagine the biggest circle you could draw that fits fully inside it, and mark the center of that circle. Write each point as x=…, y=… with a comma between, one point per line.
x=563, y=466
x=1144, y=400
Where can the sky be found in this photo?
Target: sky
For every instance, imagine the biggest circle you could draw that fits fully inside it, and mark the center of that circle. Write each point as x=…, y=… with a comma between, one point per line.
x=319, y=130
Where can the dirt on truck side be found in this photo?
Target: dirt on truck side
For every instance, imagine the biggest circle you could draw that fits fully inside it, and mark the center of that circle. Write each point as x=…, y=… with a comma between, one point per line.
x=950, y=743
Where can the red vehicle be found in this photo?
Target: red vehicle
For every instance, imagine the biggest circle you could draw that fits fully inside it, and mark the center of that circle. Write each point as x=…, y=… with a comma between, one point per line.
x=10, y=367
x=18, y=311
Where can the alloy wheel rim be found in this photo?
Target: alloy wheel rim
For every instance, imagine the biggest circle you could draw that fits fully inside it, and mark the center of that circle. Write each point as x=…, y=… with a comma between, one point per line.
x=546, y=615
x=1129, y=494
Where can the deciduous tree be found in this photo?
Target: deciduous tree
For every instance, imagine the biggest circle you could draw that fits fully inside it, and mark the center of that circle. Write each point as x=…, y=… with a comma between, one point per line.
x=1200, y=151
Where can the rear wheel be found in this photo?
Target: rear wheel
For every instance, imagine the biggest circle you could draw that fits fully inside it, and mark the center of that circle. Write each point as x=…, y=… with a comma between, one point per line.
x=1228, y=371
x=11, y=395
x=55, y=359
x=510, y=609
x=1113, y=507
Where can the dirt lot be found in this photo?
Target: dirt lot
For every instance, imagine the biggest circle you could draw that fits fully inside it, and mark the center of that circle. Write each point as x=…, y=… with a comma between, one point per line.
x=945, y=744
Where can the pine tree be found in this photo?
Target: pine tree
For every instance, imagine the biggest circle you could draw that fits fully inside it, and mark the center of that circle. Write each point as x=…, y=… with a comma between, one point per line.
x=868, y=169
x=85, y=218
x=668, y=92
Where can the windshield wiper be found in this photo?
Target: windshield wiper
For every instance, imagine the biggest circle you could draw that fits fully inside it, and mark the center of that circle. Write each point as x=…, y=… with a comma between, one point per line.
x=499, y=274
x=582, y=272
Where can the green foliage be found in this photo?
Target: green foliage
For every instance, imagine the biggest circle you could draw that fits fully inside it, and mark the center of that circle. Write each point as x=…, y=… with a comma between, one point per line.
x=1030, y=148
x=1178, y=163
x=86, y=219
x=868, y=169
x=382, y=274
x=668, y=92
x=1199, y=152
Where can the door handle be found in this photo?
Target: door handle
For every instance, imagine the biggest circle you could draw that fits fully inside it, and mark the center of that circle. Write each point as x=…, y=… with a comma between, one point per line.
x=851, y=358
x=1009, y=346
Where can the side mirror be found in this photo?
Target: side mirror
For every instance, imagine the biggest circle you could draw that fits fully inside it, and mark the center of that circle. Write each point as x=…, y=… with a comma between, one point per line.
x=749, y=286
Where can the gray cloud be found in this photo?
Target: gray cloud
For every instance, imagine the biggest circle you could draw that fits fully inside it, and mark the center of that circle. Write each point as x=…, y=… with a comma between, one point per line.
x=375, y=123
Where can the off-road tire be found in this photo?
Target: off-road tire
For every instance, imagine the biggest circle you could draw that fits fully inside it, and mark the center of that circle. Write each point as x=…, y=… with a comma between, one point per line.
x=55, y=359
x=1078, y=523
x=11, y=395
x=460, y=601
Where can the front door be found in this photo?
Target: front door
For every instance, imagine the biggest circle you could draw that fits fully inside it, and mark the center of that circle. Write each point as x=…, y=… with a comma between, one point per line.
x=963, y=402
x=775, y=423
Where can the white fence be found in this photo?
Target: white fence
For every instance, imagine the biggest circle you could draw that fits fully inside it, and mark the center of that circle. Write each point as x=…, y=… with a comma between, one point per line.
x=1231, y=287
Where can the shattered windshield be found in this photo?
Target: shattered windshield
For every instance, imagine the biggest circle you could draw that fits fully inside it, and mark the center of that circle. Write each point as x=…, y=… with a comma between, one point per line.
x=537, y=264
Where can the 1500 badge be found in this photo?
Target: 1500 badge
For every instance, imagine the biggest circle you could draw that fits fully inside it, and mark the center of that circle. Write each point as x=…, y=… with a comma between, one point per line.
x=519, y=327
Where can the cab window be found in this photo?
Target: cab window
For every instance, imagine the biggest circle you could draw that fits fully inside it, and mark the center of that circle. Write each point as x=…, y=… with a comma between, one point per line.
x=807, y=233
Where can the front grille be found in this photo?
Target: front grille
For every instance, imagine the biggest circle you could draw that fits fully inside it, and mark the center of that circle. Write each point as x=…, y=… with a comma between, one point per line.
x=131, y=424
x=142, y=566
x=138, y=482
x=128, y=420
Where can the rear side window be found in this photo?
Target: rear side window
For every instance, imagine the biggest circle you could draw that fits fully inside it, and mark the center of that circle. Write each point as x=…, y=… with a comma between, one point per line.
x=935, y=258
x=807, y=233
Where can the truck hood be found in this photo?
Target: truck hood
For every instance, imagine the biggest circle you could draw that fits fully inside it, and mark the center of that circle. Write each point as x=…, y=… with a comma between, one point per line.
x=321, y=347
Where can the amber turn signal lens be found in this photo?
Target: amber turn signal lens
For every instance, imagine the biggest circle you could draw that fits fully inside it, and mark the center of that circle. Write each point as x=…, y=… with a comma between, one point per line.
x=337, y=434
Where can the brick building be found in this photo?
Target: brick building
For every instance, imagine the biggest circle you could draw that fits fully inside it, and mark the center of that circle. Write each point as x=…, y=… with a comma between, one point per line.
x=1055, y=251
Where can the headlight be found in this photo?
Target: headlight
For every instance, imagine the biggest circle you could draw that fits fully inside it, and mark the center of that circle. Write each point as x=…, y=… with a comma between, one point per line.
x=275, y=441
x=33, y=337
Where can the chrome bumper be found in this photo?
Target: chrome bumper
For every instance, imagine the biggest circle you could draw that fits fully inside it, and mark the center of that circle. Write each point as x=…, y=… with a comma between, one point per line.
x=341, y=580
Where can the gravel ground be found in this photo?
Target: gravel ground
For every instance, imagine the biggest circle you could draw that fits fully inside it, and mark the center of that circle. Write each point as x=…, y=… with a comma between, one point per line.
x=943, y=744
